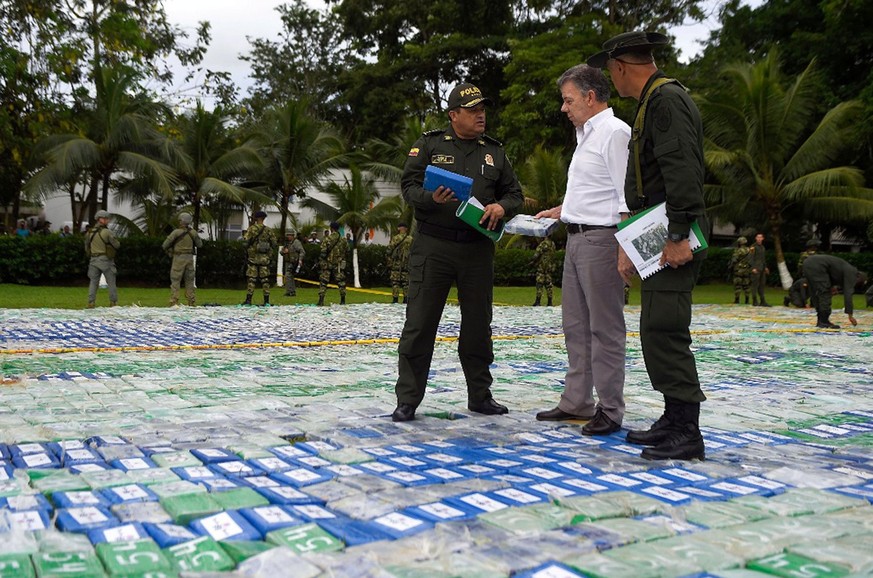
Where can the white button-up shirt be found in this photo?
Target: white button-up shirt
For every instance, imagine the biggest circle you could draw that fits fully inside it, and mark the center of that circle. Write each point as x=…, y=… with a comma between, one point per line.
x=595, y=181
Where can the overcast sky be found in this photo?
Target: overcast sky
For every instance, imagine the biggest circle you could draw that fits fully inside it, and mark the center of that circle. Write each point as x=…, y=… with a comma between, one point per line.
x=234, y=20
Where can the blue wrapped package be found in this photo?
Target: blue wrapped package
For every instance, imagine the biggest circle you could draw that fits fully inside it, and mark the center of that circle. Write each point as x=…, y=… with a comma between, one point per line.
x=434, y=177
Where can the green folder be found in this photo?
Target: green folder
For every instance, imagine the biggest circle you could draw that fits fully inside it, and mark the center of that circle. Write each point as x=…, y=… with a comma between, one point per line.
x=471, y=212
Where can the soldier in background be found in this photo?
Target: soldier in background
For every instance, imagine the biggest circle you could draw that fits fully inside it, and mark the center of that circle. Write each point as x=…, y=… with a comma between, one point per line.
x=398, y=262
x=182, y=245
x=292, y=253
x=741, y=269
x=101, y=246
x=260, y=243
x=811, y=249
x=544, y=261
x=332, y=261
x=758, y=262
x=798, y=294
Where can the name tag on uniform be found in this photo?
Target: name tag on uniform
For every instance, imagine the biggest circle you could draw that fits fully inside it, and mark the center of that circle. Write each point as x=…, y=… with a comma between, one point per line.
x=442, y=160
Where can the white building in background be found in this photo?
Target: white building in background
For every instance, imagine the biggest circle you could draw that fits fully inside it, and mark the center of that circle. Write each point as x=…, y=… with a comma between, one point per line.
x=57, y=209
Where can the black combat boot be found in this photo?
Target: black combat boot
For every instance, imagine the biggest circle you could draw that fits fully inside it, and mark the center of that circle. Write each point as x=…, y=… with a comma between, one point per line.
x=248, y=300
x=747, y=299
x=266, y=300
x=537, y=302
x=549, y=302
x=405, y=299
x=394, y=300
x=736, y=299
x=683, y=440
x=321, y=299
x=659, y=430
x=343, y=299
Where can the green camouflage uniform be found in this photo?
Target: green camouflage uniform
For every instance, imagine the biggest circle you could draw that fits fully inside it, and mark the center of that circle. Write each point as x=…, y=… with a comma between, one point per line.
x=181, y=245
x=398, y=263
x=332, y=260
x=293, y=260
x=544, y=259
x=260, y=245
x=101, y=246
x=742, y=272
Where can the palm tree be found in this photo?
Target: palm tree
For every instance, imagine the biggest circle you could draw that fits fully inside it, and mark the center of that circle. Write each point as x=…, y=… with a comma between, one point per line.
x=769, y=157
x=120, y=139
x=356, y=204
x=298, y=150
x=208, y=163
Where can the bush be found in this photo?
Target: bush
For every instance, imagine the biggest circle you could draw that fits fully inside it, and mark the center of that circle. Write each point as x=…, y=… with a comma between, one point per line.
x=51, y=259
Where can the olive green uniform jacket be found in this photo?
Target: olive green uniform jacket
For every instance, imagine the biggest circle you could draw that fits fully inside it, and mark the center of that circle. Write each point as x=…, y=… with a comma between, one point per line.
x=671, y=171
x=445, y=251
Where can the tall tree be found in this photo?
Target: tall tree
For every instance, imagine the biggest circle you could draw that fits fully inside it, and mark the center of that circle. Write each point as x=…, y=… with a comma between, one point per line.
x=119, y=137
x=305, y=61
x=298, y=150
x=210, y=165
x=771, y=154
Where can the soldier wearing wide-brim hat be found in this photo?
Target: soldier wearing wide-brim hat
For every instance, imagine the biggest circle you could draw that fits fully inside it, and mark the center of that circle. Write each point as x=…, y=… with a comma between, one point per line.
x=665, y=165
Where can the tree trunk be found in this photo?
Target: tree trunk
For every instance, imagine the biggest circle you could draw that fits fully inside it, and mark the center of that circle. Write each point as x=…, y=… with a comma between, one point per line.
x=784, y=275
x=355, y=267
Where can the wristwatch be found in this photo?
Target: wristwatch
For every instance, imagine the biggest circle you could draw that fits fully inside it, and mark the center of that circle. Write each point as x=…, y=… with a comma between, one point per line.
x=676, y=237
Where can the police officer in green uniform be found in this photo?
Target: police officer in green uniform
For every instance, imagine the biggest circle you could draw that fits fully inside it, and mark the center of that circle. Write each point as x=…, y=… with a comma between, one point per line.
x=544, y=261
x=446, y=250
x=332, y=261
x=665, y=165
x=741, y=268
x=181, y=244
x=292, y=256
x=260, y=243
x=101, y=246
x=398, y=262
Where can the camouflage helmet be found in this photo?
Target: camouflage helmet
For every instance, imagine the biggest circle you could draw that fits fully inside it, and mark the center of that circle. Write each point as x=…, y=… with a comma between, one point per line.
x=742, y=241
x=185, y=218
x=101, y=214
x=290, y=233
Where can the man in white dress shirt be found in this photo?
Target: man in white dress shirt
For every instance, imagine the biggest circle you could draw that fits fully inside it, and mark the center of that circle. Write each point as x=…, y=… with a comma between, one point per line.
x=592, y=298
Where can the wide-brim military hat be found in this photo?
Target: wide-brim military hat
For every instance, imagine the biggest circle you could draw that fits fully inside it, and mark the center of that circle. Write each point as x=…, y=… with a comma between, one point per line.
x=625, y=43
x=465, y=95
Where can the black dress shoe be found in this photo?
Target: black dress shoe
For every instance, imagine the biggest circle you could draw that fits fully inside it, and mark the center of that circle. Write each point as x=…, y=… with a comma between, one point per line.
x=488, y=407
x=601, y=425
x=404, y=412
x=826, y=325
x=558, y=414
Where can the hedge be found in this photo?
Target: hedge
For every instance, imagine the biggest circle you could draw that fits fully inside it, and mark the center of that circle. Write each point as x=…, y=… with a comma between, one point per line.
x=52, y=260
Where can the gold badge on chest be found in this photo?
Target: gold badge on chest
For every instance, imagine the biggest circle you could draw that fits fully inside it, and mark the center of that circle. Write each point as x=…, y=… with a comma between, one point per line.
x=489, y=160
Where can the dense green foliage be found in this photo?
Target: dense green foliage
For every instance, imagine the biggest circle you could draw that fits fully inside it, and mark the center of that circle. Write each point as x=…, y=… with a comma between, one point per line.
x=46, y=260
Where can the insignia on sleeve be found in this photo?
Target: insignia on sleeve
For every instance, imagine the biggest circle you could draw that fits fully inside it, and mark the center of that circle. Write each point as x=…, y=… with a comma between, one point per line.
x=663, y=119
x=413, y=152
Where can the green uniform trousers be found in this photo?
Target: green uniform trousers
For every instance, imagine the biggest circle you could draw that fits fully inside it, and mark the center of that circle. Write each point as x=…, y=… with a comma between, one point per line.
x=434, y=264
x=665, y=321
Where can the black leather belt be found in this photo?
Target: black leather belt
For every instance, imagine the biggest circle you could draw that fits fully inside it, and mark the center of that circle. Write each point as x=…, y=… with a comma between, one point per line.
x=574, y=228
x=458, y=235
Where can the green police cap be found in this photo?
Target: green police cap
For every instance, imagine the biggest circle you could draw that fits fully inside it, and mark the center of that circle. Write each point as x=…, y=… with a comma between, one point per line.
x=625, y=43
x=465, y=95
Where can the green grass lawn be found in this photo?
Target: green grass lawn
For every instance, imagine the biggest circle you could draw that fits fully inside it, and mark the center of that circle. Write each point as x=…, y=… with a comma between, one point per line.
x=26, y=296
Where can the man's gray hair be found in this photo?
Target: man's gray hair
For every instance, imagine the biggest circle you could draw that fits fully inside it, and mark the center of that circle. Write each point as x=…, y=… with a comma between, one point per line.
x=587, y=78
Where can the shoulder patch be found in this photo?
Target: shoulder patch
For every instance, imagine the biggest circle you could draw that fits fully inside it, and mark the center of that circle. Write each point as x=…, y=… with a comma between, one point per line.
x=663, y=119
x=491, y=140
x=413, y=152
